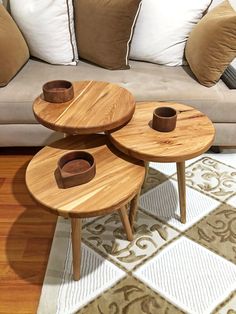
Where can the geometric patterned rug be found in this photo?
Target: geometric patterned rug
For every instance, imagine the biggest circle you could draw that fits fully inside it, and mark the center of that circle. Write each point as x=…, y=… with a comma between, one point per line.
x=168, y=267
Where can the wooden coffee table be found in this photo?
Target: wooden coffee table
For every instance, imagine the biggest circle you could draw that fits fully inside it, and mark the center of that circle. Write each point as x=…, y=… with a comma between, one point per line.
x=96, y=107
x=194, y=134
x=117, y=181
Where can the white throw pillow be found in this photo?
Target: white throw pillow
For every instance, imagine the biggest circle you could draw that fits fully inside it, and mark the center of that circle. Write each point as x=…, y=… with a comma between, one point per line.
x=162, y=29
x=48, y=28
x=233, y=64
x=214, y=4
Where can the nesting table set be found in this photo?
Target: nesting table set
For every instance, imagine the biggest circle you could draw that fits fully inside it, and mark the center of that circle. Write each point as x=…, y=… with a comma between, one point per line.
x=121, y=153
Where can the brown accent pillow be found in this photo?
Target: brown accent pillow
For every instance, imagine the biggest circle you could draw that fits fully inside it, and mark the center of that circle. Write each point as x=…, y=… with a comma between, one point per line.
x=13, y=49
x=211, y=46
x=104, y=30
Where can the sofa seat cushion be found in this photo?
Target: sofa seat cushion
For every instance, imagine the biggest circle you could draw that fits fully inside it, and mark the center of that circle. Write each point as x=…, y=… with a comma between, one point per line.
x=147, y=81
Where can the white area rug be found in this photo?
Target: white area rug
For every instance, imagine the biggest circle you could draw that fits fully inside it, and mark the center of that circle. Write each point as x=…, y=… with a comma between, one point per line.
x=168, y=267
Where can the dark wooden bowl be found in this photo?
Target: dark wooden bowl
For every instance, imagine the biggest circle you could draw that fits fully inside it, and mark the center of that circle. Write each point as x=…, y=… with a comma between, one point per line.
x=58, y=91
x=164, y=119
x=76, y=168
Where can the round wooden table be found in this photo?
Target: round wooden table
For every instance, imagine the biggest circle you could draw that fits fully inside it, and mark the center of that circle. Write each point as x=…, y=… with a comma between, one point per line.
x=117, y=181
x=96, y=107
x=193, y=135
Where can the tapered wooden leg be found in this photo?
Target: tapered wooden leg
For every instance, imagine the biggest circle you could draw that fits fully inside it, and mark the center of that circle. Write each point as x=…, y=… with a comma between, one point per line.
x=125, y=221
x=133, y=209
x=182, y=190
x=76, y=246
x=146, y=171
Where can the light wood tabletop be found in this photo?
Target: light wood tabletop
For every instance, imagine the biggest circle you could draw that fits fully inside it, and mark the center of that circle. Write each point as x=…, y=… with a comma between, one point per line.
x=118, y=178
x=193, y=135
x=117, y=181
x=96, y=107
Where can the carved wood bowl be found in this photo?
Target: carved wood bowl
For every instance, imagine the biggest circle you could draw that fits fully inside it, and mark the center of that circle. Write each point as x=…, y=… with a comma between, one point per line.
x=164, y=119
x=58, y=91
x=76, y=168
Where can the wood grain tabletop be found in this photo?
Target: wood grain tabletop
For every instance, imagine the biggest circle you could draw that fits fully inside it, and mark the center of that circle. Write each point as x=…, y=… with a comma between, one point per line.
x=118, y=178
x=96, y=107
x=193, y=135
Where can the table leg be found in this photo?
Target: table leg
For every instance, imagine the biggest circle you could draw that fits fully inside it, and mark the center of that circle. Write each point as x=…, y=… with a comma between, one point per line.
x=76, y=246
x=133, y=209
x=182, y=190
x=125, y=221
x=135, y=200
x=146, y=171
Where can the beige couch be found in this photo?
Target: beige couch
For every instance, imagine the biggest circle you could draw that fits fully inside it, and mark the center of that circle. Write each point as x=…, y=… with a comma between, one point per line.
x=148, y=82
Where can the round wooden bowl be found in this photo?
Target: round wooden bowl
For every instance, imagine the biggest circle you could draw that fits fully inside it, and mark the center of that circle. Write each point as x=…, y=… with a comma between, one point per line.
x=76, y=168
x=58, y=91
x=164, y=119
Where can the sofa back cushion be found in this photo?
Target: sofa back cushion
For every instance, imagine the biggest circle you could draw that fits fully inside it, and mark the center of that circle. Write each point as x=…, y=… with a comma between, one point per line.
x=211, y=46
x=48, y=27
x=5, y=3
x=162, y=29
x=13, y=49
x=214, y=3
x=104, y=30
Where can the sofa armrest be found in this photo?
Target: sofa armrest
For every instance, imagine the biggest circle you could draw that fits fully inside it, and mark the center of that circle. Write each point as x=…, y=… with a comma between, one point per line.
x=229, y=77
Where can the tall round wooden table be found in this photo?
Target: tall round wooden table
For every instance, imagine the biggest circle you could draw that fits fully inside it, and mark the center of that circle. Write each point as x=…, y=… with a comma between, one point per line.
x=96, y=107
x=193, y=135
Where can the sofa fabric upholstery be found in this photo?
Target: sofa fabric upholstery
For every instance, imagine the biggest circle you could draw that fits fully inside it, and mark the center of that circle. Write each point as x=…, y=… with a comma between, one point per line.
x=26, y=135
x=147, y=81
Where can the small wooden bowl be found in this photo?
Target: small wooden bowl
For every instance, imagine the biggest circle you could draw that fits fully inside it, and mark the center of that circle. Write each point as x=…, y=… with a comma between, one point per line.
x=76, y=168
x=164, y=119
x=58, y=91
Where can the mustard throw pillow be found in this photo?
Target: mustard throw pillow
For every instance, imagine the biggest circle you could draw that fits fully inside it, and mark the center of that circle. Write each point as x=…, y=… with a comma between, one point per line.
x=211, y=46
x=104, y=30
x=13, y=49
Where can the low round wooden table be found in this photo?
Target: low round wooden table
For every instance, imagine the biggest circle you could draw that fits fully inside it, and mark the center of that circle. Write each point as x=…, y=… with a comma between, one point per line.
x=193, y=135
x=117, y=181
x=96, y=107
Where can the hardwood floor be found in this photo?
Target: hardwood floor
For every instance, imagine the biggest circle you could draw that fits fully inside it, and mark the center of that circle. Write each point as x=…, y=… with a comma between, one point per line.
x=26, y=233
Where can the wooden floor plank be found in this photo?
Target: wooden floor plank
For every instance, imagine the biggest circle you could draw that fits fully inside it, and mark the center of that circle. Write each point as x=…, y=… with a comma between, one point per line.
x=18, y=303
x=26, y=233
